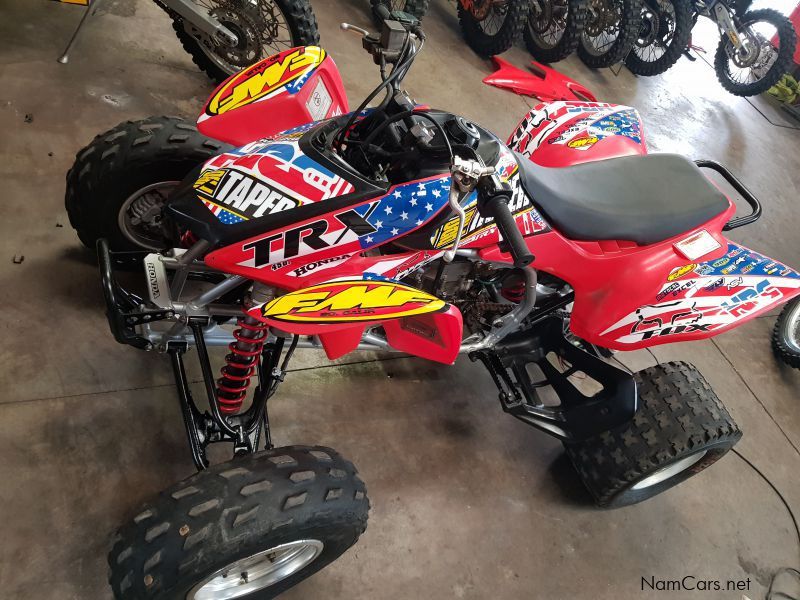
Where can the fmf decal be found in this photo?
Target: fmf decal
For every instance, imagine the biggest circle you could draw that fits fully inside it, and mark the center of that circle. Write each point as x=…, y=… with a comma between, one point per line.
x=240, y=194
x=264, y=78
x=681, y=271
x=340, y=301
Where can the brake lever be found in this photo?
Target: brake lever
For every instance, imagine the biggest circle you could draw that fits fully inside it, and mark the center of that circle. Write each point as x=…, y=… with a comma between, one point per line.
x=464, y=177
x=354, y=29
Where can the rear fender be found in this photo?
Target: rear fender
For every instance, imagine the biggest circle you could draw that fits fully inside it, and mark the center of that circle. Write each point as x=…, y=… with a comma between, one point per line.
x=340, y=311
x=281, y=92
x=560, y=134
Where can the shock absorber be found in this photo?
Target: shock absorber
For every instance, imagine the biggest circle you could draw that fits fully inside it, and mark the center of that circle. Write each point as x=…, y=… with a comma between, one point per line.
x=241, y=363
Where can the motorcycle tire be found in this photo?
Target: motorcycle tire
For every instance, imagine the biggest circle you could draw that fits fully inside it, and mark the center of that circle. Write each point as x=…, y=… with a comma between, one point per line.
x=783, y=64
x=630, y=17
x=636, y=60
x=489, y=44
x=299, y=18
x=415, y=8
x=249, y=529
x=786, y=335
x=547, y=51
x=679, y=429
x=119, y=182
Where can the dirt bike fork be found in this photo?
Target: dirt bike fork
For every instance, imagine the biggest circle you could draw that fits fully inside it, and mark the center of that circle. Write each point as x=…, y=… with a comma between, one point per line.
x=213, y=426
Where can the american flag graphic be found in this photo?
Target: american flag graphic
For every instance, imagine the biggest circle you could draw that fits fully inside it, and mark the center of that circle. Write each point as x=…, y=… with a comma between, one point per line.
x=228, y=217
x=405, y=208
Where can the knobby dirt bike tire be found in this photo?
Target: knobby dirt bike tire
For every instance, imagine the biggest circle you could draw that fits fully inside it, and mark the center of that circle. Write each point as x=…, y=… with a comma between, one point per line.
x=677, y=45
x=489, y=45
x=416, y=8
x=787, y=38
x=784, y=348
x=629, y=30
x=577, y=16
x=299, y=17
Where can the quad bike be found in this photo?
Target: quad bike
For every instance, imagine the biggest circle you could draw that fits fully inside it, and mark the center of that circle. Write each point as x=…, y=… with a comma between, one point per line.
x=610, y=32
x=554, y=28
x=756, y=47
x=786, y=335
x=225, y=36
x=287, y=220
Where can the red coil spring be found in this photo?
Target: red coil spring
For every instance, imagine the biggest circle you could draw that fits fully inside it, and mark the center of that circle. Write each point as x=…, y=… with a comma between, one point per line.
x=241, y=364
x=514, y=292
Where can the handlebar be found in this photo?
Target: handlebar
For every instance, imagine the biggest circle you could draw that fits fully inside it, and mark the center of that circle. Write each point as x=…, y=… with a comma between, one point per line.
x=493, y=202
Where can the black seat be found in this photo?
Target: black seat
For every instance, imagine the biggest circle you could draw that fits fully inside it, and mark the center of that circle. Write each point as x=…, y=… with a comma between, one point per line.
x=643, y=199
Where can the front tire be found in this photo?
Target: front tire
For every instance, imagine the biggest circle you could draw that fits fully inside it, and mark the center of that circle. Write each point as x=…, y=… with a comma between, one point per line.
x=725, y=64
x=670, y=29
x=497, y=31
x=786, y=335
x=547, y=45
x=610, y=34
x=249, y=528
x=119, y=183
x=679, y=429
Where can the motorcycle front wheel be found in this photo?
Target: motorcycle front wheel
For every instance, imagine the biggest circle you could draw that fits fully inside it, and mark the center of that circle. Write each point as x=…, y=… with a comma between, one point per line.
x=664, y=33
x=263, y=27
x=554, y=28
x=247, y=529
x=610, y=32
x=786, y=335
x=758, y=64
x=491, y=27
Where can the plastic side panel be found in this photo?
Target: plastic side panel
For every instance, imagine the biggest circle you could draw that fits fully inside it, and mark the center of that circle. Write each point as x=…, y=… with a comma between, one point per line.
x=295, y=87
x=560, y=134
x=434, y=336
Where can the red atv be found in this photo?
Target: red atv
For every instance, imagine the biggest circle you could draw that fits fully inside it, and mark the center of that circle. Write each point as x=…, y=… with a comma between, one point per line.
x=291, y=221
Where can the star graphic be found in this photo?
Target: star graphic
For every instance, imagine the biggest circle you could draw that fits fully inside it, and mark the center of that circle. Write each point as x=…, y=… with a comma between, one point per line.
x=437, y=193
x=404, y=216
x=419, y=222
x=397, y=194
x=369, y=239
x=429, y=207
x=395, y=231
x=388, y=210
x=413, y=201
x=378, y=224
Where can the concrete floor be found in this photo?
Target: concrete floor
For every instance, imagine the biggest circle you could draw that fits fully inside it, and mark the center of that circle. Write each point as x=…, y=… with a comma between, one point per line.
x=467, y=502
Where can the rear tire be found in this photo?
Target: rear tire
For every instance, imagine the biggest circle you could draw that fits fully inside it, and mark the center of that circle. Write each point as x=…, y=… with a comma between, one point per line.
x=123, y=161
x=679, y=429
x=302, y=27
x=485, y=44
x=306, y=498
x=570, y=38
x=786, y=335
x=630, y=11
x=676, y=45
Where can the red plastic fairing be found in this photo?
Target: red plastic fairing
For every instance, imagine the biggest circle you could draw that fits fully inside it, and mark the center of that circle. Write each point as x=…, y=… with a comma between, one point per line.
x=283, y=91
x=560, y=134
x=544, y=83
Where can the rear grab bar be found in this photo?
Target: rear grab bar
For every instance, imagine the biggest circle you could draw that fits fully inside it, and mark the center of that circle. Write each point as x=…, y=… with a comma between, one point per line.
x=740, y=188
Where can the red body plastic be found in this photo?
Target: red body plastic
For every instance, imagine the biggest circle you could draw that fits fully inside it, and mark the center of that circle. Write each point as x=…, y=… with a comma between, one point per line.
x=544, y=82
x=626, y=296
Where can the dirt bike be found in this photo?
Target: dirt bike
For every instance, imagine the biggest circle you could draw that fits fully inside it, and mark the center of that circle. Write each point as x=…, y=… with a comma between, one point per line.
x=554, y=28
x=786, y=335
x=414, y=8
x=287, y=220
x=610, y=32
x=225, y=36
x=756, y=47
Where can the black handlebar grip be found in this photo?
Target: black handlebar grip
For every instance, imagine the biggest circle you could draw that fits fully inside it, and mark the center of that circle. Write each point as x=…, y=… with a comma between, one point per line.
x=383, y=12
x=496, y=207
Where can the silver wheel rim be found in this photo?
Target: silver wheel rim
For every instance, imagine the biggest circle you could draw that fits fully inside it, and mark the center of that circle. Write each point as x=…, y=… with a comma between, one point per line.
x=670, y=471
x=257, y=572
x=791, y=334
x=139, y=218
